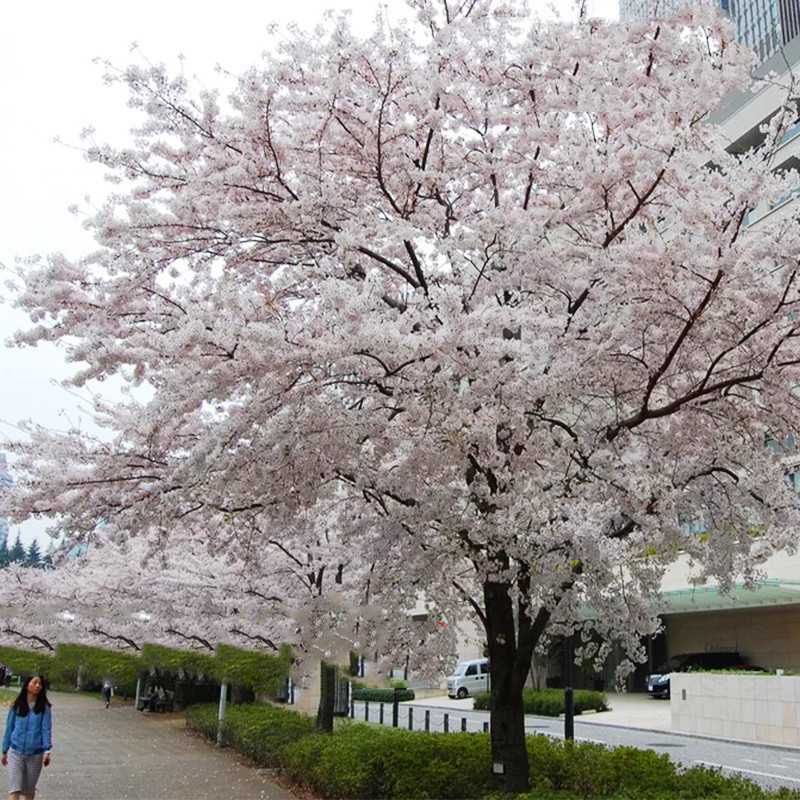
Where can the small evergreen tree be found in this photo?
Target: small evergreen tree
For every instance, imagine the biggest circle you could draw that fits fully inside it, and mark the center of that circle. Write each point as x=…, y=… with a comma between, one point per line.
x=33, y=557
x=5, y=556
x=17, y=554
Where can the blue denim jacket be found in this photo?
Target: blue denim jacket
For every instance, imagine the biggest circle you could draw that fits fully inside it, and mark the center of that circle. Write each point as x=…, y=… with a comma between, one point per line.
x=30, y=734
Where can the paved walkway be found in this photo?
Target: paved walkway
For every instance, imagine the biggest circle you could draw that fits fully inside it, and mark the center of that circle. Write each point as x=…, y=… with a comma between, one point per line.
x=123, y=754
x=633, y=710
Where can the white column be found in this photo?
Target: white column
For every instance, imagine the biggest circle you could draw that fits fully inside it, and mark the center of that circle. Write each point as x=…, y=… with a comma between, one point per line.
x=223, y=692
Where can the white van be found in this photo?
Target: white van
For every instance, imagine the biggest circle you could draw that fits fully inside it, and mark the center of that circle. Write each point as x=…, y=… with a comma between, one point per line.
x=470, y=677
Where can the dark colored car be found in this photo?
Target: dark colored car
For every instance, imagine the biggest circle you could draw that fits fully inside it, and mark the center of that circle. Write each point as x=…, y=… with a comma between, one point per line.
x=658, y=681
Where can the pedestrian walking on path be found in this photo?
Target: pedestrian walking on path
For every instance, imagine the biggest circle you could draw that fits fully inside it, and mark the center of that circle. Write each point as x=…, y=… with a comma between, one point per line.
x=28, y=739
x=108, y=690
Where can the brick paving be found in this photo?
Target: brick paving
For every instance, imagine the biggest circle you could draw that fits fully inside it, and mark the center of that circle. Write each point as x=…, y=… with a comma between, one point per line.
x=123, y=754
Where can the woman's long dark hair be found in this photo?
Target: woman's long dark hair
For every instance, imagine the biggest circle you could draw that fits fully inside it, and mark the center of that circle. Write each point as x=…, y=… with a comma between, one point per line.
x=21, y=703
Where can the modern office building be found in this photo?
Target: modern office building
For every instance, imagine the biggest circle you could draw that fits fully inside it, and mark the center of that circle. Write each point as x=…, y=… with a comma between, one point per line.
x=763, y=25
x=761, y=623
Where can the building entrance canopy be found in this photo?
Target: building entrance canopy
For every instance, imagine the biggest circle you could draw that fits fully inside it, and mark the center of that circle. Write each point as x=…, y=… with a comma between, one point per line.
x=767, y=593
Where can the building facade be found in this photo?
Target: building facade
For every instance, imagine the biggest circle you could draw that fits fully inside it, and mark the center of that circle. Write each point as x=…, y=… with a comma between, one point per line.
x=762, y=622
x=763, y=25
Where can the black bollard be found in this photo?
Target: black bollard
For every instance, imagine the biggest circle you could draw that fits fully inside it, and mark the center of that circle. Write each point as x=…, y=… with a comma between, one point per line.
x=569, y=705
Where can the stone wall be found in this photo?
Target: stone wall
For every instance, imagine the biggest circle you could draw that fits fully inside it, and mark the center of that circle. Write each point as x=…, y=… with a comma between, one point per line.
x=756, y=708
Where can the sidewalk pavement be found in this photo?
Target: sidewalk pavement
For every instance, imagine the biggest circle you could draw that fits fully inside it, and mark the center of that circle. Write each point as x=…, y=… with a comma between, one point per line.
x=123, y=754
x=626, y=710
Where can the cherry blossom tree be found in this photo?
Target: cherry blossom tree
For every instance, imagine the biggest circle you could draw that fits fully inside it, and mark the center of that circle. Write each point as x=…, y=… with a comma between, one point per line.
x=465, y=311
x=125, y=593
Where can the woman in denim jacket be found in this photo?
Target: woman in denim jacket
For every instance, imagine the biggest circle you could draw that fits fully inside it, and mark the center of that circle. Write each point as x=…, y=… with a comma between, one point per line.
x=27, y=740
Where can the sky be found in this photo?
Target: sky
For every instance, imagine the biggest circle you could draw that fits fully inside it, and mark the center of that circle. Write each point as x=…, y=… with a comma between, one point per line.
x=52, y=88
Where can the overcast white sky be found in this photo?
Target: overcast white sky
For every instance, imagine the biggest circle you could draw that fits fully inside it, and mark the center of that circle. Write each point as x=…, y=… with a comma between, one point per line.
x=51, y=88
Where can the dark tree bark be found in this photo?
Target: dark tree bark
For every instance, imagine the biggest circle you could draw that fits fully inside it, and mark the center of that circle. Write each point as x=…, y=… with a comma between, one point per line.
x=327, y=679
x=511, y=643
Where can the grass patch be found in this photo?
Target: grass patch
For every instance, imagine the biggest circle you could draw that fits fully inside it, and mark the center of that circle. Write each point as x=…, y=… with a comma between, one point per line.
x=8, y=696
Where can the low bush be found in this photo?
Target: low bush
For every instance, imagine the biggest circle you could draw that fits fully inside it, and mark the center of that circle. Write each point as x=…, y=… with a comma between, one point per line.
x=263, y=732
x=382, y=695
x=550, y=702
x=360, y=760
x=567, y=770
x=202, y=718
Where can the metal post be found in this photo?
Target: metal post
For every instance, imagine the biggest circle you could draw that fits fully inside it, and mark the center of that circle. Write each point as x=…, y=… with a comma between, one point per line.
x=411, y=718
x=486, y=727
x=380, y=715
x=348, y=706
x=446, y=723
x=427, y=721
x=396, y=707
x=463, y=724
x=569, y=706
x=366, y=711
x=223, y=697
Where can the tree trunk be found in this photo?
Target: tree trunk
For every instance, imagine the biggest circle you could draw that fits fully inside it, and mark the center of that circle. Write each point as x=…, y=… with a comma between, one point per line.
x=511, y=642
x=327, y=681
x=507, y=671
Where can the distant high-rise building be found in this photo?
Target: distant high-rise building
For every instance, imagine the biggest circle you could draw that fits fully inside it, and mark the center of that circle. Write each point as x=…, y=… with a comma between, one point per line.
x=630, y=10
x=763, y=25
x=5, y=480
x=790, y=18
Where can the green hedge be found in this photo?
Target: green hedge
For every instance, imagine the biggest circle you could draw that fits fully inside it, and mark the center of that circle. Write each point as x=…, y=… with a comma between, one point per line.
x=565, y=769
x=265, y=733
x=258, y=671
x=168, y=659
x=28, y=662
x=95, y=663
x=360, y=760
x=202, y=718
x=69, y=662
x=382, y=695
x=550, y=702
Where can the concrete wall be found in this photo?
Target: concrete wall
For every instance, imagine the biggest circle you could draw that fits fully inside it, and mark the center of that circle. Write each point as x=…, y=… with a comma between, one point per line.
x=756, y=708
x=767, y=637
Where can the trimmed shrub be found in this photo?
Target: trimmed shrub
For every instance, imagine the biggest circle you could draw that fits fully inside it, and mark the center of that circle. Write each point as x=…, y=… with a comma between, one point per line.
x=168, y=659
x=589, y=700
x=567, y=770
x=360, y=760
x=258, y=671
x=263, y=733
x=382, y=695
x=550, y=702
x=28, y=662
x=93, y=664
x=202, y=718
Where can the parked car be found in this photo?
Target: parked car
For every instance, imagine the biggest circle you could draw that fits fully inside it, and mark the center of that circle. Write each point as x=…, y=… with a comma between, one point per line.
x=658, y=681
x=470, y=677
